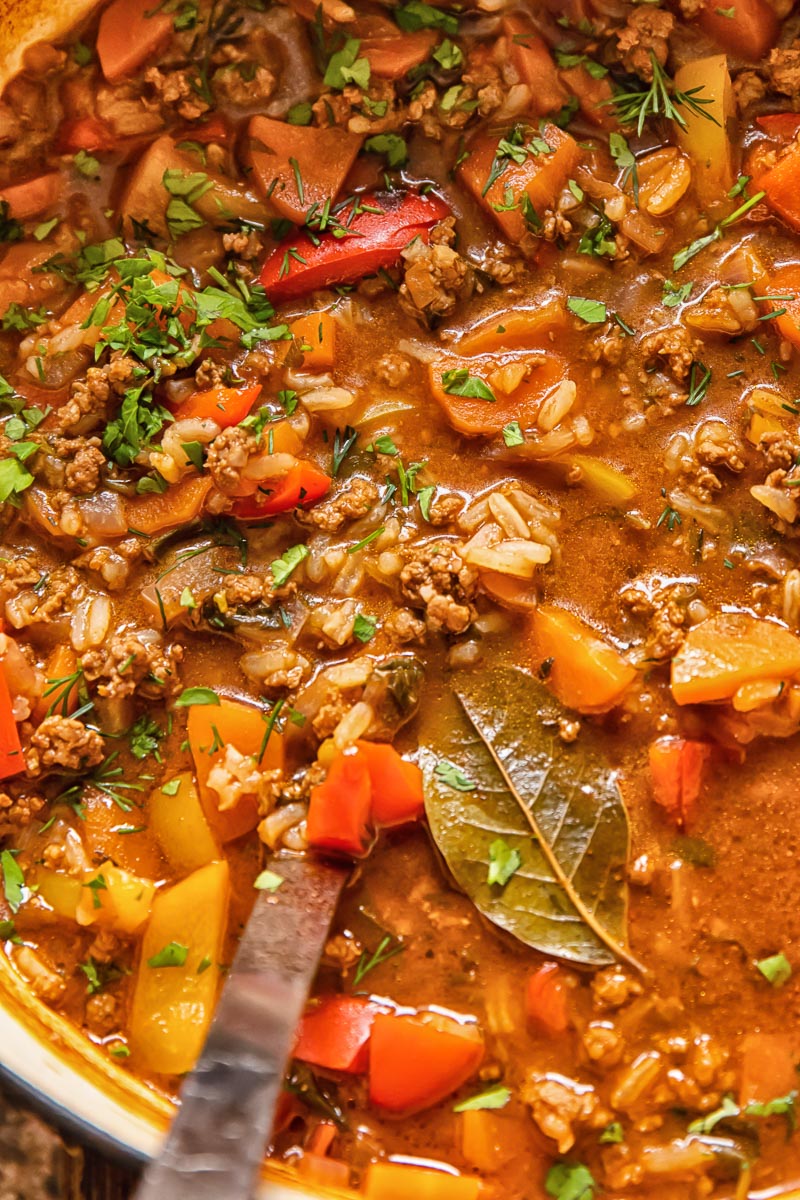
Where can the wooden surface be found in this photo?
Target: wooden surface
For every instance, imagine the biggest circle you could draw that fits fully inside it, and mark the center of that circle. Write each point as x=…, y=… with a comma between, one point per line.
x=37, y=1164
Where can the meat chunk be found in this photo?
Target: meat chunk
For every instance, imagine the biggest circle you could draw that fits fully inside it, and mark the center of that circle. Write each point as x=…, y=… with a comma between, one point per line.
x=237, y=775
x=784, y=70
x=437, y=579
x=102, y=1013
x=353, y=501
x=41, y=975
x=646, y=33
x=84, y=462
x=135, y=663
x=15, y=574
x=613, y=987
x=246, y=589
x=665, y=610
x=445, y=508
x=402, y=626
x=228, y=455
x=63, y=742
x=393, y=369
x=176, y=90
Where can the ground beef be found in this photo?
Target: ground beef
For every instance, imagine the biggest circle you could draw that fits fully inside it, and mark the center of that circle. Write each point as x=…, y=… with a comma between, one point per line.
x=128, y=112
x=647, y=32
x=437, y=579
x=210, y=374
x=664, y=610
x=16, y=574
x=113, y=566
x=403, y=626
x=675, y=346
x=228, y=455
x=84, y=463
x=748, y=88
x=105, y=947
x=780, y=450
x=244, y=84
x=176, y=90
x=246, y=589
x=65, y=743
x=393, y=369
x=691, y=8
x=559, y=1104
x=54, y=595
x=244, y=245
x=102, y=1013
x=89, y=400
x=436, y=276
x=445, y=508
x=18, y=811
x=353, y=501
x=134, y=663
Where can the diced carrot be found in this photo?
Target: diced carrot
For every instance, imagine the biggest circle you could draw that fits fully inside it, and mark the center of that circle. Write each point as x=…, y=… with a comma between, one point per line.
x=85, y=133
x=785, y=281
x=729, y=650
x=335, y=1034
x=224, y=405
x=676, y=771
x=212, y=727
x=390, y=53
x=546, y=999
x=339, y=808
x=581, y=668
x=540, y=177
x=33, y=196
x=535, y=66
x=593, y=95
x=316, y=333
x=748, y=32
x=519, y=594
x=130, y=33
x=415, y=1061
x=11, y=760
x=299, y=166
x=479, y=417
x=179, y=504
x=398, y=1181
x=63, y=699
x=327, y=1172
x=768, y=1067
x=303, y=486
x=488, y=1139
x=397, y=794
x=782, y=185
x=517, y=329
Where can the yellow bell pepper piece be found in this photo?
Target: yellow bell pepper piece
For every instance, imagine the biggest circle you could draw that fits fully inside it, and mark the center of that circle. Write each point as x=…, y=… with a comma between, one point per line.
x=179, y=825
x=114, y=899
x=603, y=480
x=173, y=1005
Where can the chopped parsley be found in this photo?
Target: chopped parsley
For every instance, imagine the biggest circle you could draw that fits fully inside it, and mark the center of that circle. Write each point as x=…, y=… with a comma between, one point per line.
x=268, y=881
x=494, y=1097
x=193, y=696
x=172, y=955
x=570, y=1181
x=512, y=434
x=364, y=628
x=593, y=312
x=776, y=969
x=390, y=145
x=282, y=568
x=13, y=880
x=504, y=861
x=453, y=776
x=344, y=66
x=459, y=382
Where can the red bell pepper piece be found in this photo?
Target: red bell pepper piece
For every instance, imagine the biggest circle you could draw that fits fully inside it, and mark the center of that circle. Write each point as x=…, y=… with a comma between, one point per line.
x=224, y=405
x=335, y=1034
x=780, y=125
x=302, y=487
x=546, y=999
x=339, y=808
x=415, y=1061
x=374, y=242
x=397, y=794
x=85, y=133
x=11, y=760
x=676, y=769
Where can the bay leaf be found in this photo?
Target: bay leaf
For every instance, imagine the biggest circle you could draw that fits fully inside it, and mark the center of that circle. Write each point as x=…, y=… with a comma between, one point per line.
x=556, y=803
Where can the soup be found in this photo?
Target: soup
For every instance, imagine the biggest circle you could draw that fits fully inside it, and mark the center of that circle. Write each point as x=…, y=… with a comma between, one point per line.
x=399, y=450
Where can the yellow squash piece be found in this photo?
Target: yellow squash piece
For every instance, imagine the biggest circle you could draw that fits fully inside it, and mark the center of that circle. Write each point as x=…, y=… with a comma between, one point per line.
x=726, y=652
x=705, y=137
x=179, y=825
x=114, y=899
x=55, y=897
x=173, y=1005
x=584, y=671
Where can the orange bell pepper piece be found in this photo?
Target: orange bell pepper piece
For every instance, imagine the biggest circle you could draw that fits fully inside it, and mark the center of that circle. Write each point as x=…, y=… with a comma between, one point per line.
x=534, y=65
x=782, y=185
x=225, y=405
x=396, y=1181
x=749, y=31
x=415, y=1061
x=299, y=166
x=335, y=1034
x=339, y=809
x=546, y=999
x=179, y=504
x=33, y=196
x=397, y=794
x=316, y=333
